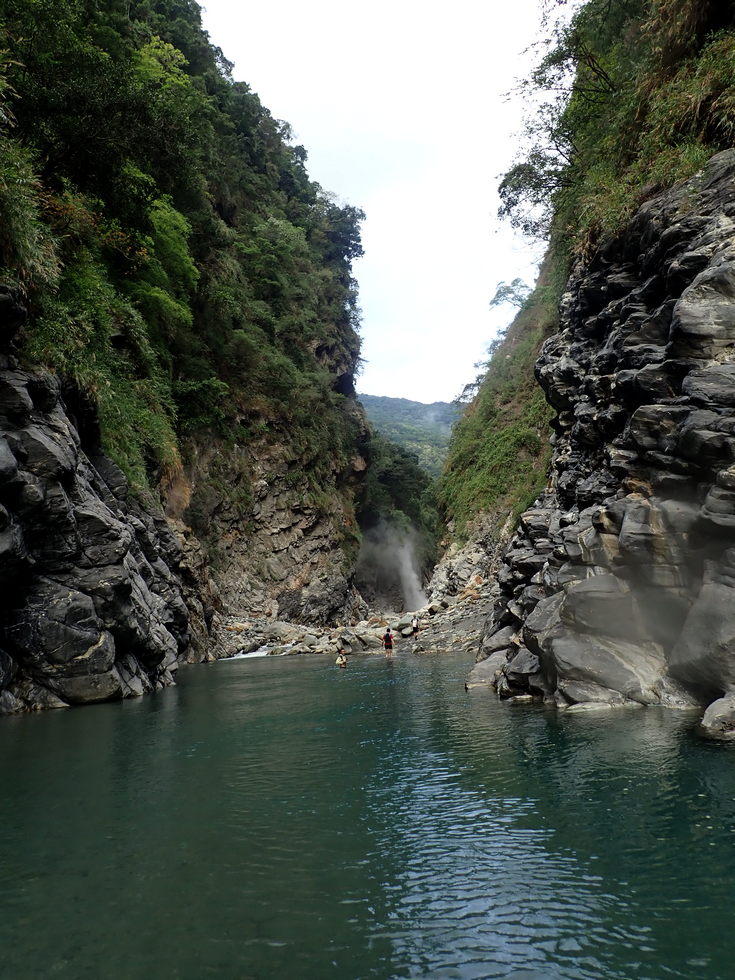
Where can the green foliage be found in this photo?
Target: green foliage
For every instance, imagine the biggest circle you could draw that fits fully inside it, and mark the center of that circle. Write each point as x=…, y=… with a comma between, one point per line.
x=422, y=429
x=499, y=452
x=92, y=336
x=27, y=253
x=181, y=267
x=515, y=293
x=399, y=492
x=631, y=98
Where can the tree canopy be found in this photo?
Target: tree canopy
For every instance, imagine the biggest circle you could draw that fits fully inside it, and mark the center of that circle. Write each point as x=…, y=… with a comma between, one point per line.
x=181, y=267
x=627, y=97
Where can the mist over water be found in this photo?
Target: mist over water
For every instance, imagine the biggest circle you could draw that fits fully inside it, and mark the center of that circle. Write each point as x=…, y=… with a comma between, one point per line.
x=388, y=568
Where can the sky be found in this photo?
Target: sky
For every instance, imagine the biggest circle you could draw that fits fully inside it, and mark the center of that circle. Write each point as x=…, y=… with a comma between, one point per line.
x=400, y=106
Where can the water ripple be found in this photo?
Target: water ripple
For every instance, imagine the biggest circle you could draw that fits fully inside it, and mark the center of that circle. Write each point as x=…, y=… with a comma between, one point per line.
x=282, y=818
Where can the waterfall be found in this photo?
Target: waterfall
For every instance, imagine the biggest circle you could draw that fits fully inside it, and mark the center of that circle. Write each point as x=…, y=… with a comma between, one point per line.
x=388, y=567
x=413, y=595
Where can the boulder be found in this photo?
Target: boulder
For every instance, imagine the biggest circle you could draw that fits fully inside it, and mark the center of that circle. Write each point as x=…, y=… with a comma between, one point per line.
x=631, y=669
x=585, y=692
x=602, y=605
x=499, y=640
x=521, y=665
x=703, y=658
x=485, y=672
x=718, y=720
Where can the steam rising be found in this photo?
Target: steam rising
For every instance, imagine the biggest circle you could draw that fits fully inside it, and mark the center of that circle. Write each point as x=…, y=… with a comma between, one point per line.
x=387, y=568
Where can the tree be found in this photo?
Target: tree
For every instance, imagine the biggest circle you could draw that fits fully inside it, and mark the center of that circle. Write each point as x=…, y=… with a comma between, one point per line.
x=515, y=293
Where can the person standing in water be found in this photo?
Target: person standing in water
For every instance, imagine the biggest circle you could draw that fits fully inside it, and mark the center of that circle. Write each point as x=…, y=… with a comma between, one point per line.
x=341, y=660
x=415, y=625
x=388, y=642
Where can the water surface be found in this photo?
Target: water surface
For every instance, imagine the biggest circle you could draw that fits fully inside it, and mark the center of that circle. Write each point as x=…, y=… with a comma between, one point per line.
x=282, y=818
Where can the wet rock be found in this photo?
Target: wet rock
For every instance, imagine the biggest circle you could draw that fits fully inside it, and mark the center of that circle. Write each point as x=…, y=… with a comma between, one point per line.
x=586, y=692
x=29, y=696
x=719, y=718
x=485, y=672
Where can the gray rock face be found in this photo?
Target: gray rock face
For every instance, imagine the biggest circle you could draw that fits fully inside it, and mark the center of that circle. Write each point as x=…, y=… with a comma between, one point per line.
x=284, y=557
x=719, y=718
x=92, y=606
x=621, y=579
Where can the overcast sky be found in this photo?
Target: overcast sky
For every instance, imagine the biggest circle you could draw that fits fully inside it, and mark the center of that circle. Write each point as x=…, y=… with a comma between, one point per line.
x=400, y=107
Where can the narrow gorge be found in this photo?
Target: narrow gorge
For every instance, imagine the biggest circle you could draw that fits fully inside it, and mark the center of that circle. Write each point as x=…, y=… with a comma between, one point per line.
x=303, y=683
x=186, y=472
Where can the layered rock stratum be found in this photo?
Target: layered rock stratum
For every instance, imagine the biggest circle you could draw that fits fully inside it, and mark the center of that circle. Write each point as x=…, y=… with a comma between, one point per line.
x=618, y=585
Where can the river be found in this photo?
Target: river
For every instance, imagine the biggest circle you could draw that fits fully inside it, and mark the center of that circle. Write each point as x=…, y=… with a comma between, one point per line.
x=281, y=818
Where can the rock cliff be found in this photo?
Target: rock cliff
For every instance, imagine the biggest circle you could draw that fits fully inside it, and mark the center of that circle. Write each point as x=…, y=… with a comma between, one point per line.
x=278, y=551
x=92, y=607
x=618, y=585
x=104, y=593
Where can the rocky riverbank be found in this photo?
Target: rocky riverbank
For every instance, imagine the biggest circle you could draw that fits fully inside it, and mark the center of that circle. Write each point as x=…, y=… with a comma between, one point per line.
x=618, y=585
x=447, y=624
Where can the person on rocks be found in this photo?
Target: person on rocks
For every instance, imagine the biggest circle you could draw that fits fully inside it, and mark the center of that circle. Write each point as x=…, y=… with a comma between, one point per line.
x=341, y=660
x=415, y=625
x=388, y=642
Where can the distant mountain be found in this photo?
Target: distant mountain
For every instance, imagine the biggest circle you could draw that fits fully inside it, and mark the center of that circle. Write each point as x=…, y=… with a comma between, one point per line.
x=422, y=429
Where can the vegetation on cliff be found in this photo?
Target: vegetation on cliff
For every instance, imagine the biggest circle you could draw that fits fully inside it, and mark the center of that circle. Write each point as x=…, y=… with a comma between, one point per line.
x=628, y=97
x=633, y=96
x=499, y=451
x=182, y=271
x=400, y=495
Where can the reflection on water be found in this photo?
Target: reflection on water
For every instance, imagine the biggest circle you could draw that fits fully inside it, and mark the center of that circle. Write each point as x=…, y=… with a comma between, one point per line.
x=282, y=818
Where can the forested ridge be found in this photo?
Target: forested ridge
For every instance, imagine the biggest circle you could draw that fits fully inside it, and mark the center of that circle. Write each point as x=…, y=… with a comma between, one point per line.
x=182, y=272
x=422, y=429
x=627, y=97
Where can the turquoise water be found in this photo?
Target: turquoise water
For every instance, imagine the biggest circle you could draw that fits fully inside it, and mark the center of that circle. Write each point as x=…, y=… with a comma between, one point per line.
x=281, y=818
